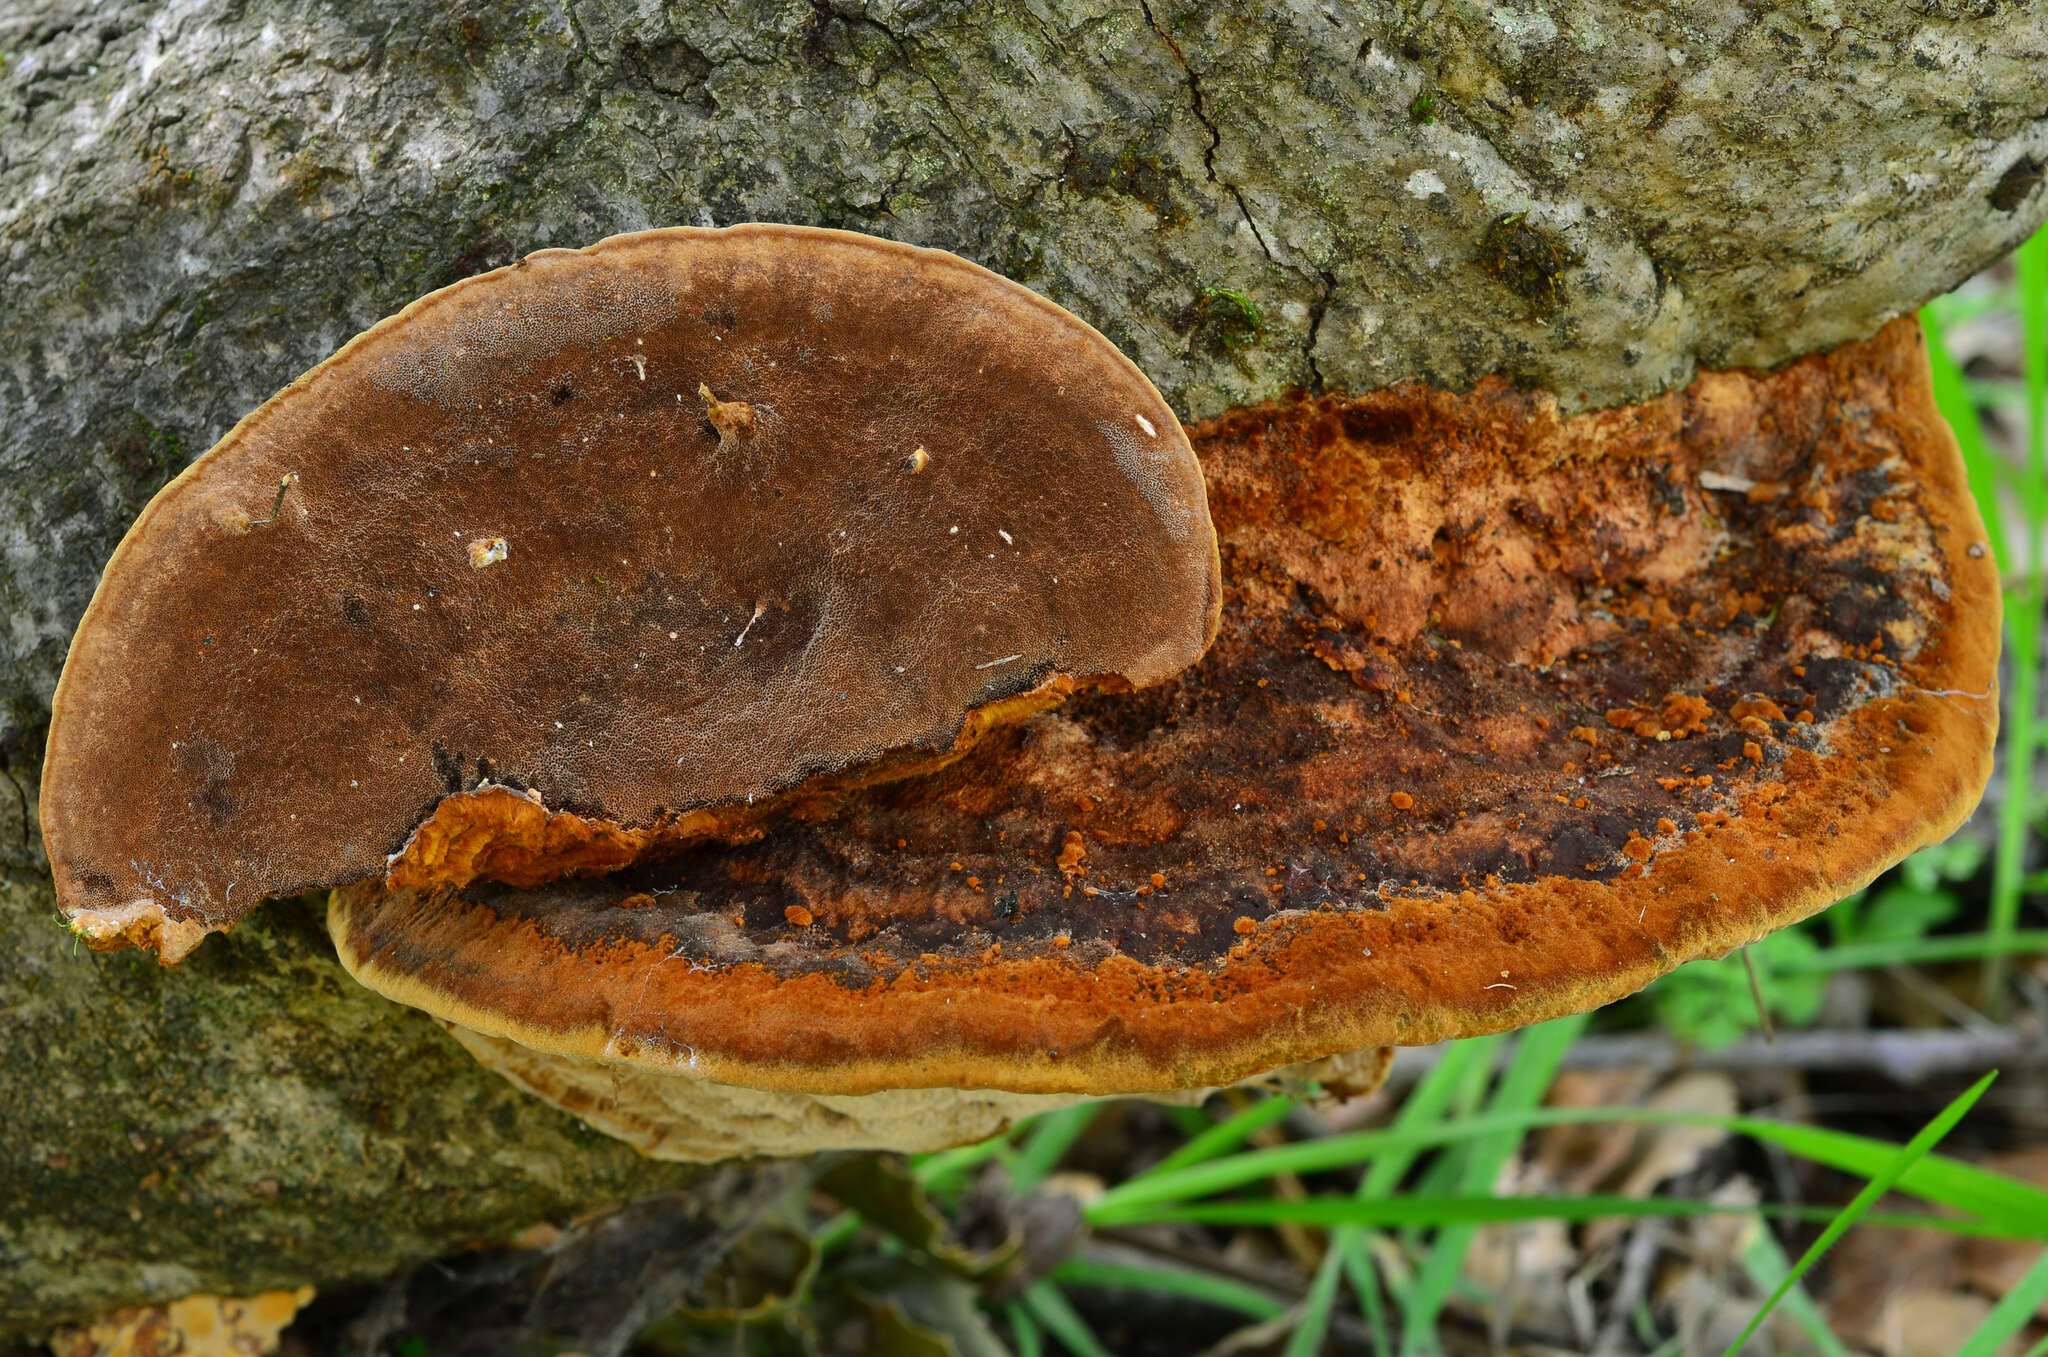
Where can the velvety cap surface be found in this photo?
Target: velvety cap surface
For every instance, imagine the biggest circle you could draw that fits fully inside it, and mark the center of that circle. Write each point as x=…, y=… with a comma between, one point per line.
x=676, y=522
x=1508, y=715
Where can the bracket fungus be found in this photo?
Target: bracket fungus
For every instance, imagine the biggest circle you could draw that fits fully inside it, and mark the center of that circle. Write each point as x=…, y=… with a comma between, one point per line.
x=1509, y=713
x=776, y=835
x=526, y=597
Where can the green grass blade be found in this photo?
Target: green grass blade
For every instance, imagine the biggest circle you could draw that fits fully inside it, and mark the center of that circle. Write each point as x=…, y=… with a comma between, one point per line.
x=1468, y=1094
x=1464, y=1064
x=1918, y=1147
x=1050, y=1137
x=1364, y=1274
x=1050, y=1308
x=946, y=1167
x=1226, y=1135
x=2017, y=1208
x=2021, y=738
x=2031, y=261
x=1446, y=1212
x=1858, y=956
x=1956, y=307
x=1315, y=1156
x=1442, y=1174
x=1952, y=395
x=1202, y=1286
x=1988, y=475
x=1767, y=1266
x=1316, y=1309
x=837, y=1232
x=1538, y=1053
x=1425, y=1106
x=2011, y=1314
x=1025, y=1329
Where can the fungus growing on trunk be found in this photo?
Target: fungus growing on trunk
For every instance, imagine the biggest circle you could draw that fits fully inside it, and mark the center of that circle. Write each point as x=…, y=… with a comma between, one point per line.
x=503, y=590
x=600, y=611
x=1509, y=714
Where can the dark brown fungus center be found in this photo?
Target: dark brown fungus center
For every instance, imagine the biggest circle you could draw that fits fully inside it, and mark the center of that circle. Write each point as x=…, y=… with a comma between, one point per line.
x=604, y=552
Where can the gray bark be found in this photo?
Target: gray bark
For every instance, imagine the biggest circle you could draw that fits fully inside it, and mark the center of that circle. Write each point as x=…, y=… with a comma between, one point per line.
x=200, y=200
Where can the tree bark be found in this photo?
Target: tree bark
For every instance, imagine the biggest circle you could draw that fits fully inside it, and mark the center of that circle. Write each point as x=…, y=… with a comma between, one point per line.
x=200, y=200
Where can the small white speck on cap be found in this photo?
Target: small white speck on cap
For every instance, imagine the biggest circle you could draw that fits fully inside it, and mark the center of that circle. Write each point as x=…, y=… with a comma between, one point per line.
x=1146, y=425
x=1007, y=539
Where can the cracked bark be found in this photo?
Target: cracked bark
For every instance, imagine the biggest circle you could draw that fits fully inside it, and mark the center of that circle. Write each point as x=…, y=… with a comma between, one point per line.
x=1209, y=161
x=198, y=202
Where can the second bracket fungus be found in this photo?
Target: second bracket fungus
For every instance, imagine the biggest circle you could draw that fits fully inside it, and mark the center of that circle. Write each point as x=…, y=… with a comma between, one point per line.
x=604, y=553
x=1509, y=713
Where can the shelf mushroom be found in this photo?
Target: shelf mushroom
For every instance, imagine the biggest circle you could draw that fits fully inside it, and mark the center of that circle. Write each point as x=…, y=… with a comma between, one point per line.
x=609, y=552
x=1509, y=713
x=758, y=688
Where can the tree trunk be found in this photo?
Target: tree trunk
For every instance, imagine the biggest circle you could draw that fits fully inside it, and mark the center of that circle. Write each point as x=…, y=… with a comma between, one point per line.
x=200, y=200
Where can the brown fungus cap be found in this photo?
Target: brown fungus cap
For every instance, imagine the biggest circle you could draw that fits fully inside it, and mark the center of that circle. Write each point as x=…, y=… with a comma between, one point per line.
x=592, y=554
x=1508, y=715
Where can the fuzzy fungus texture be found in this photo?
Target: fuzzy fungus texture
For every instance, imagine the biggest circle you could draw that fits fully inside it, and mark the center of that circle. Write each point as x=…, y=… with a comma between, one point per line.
x=1509, y=714
x=605, y=551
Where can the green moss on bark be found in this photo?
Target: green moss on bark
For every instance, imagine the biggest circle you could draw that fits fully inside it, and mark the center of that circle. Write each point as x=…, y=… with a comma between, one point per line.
x=251, y=1119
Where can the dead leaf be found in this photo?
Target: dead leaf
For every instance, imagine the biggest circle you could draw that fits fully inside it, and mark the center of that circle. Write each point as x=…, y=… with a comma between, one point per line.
x=1930, y=1322
x=1666, y=1152
x=1579, y=1158
x=197, y=1326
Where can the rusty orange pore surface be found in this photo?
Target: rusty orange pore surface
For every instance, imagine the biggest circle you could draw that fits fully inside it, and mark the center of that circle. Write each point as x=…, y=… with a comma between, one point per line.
x=1508, y=715
x=611, y=549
